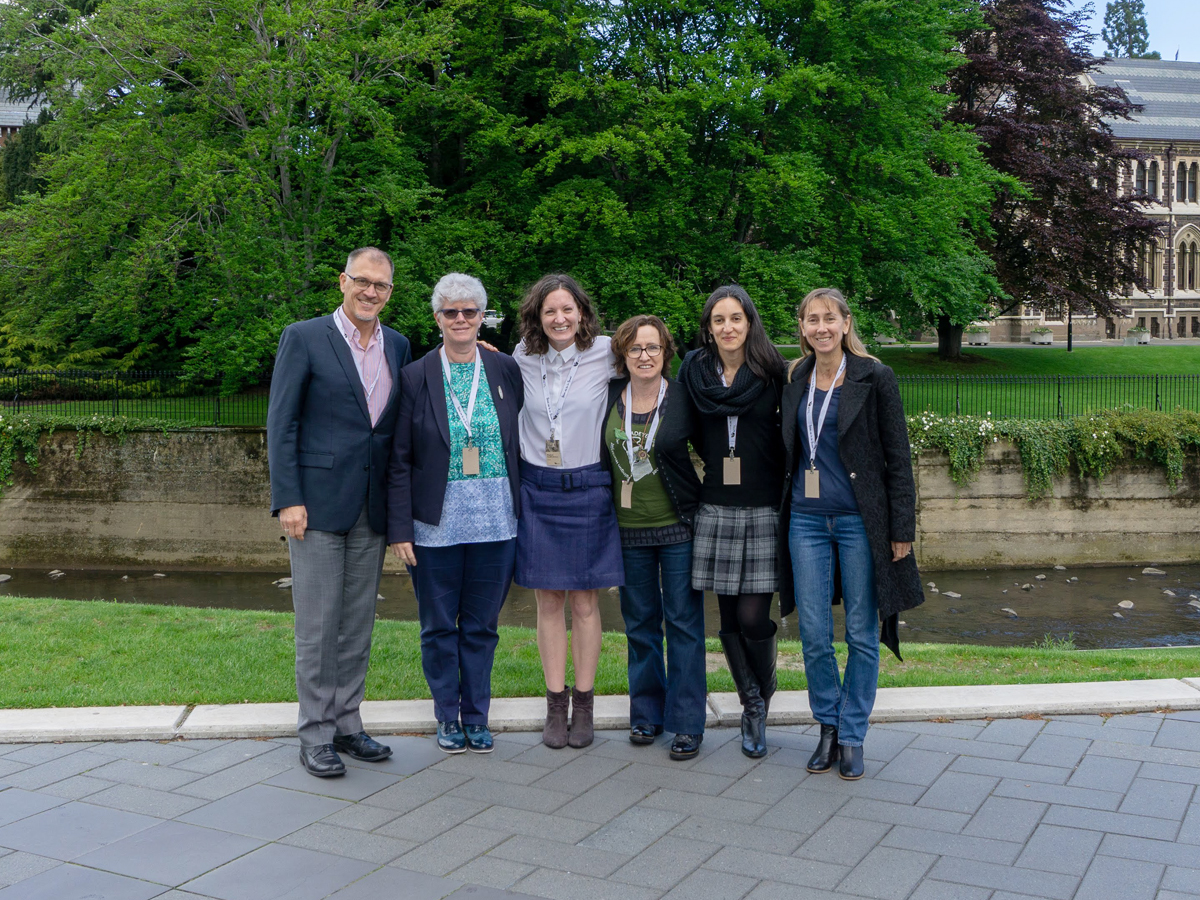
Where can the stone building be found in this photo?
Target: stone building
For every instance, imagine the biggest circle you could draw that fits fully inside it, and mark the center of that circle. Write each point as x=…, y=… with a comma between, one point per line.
x=1167, y=129
x=13, y=115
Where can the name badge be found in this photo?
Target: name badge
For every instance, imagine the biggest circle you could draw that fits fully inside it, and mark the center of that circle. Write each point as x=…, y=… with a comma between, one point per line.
x=553, y=453
x=470, y=460
x=812, y=484
x=627, y=495
x=732, y=471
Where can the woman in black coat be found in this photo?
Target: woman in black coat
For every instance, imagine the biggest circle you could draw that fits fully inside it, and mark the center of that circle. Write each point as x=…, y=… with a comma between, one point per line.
x=848, y=515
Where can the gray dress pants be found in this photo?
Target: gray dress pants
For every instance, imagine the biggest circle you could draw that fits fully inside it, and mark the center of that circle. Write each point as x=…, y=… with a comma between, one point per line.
x=335, y=580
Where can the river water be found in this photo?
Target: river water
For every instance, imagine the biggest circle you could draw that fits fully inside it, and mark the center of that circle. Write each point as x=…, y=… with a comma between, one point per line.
x=1081, y=602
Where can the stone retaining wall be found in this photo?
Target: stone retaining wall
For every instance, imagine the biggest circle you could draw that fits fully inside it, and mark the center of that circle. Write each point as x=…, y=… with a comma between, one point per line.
x=199, y=500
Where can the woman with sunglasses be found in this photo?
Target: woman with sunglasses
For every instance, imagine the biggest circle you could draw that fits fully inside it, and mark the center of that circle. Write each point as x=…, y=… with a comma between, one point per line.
x=655, y=508
x=568, y=546
x=453, y=502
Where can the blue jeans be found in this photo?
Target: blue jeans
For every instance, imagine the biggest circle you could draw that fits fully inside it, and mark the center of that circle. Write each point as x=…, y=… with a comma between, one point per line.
x=658, y=589
x=460, y=590
x=813, y=539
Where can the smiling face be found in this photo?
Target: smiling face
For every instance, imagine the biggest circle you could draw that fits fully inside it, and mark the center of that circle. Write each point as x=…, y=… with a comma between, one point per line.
x=728, y=325
x=824, y=326
x=560, y=318
x=458, y=330
x=644, y=367
x=363, y=305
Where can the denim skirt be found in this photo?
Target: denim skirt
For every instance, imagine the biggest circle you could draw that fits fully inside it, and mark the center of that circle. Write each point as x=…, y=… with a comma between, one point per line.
x=567, y=536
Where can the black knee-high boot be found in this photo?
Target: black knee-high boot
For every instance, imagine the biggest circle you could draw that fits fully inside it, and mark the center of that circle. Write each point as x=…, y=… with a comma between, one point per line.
x=754, y=711
x=761, y=656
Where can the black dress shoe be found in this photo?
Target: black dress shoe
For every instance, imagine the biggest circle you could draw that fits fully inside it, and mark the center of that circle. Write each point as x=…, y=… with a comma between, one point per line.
x=686, y=746
x=322, y=761
x=450, y=738
x=479, y=738
x=850, y=767
x=644, y=734
x=361, y=746
x=826, y=753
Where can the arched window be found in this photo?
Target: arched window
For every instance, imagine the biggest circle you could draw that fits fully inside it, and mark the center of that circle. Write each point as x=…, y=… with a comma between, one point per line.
x=1193, y=174
x=1153, y=276
x=1193, y=264
x=1152, y=180
x=1139, y=183
x=1181, y=182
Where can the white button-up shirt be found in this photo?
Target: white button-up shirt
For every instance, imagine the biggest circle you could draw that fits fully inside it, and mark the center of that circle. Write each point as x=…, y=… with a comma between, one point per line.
x=579, y=425
x=371, y=363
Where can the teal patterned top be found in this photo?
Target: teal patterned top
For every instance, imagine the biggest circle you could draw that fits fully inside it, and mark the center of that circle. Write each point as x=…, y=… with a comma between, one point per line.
x=478, y=508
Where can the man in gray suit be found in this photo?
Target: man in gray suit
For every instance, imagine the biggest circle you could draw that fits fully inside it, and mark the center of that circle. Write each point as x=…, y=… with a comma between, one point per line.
x=334, y=399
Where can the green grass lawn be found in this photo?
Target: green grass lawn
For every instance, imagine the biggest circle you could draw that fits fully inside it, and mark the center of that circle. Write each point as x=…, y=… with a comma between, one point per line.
x=1054, y=360
x=93, y=653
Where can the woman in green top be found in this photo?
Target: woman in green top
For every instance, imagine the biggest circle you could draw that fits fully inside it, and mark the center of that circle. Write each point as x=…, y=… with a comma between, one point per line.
x=654, y=513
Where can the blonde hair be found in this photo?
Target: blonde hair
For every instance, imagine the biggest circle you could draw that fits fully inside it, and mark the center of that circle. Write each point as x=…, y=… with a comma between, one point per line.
x=850, y=340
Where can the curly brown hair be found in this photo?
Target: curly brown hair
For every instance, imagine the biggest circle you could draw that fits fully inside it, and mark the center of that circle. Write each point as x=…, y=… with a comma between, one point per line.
x=536, y=342
x=626, y=334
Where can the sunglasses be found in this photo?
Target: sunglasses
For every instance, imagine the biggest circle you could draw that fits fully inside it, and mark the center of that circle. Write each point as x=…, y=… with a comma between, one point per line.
x=468, y=314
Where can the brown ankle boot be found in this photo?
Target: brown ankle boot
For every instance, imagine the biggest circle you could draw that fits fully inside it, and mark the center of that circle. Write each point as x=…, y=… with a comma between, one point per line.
x=581, y=718
x=555, y=733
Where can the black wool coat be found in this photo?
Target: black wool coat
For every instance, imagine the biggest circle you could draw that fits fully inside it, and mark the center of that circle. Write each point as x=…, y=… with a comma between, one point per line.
x=873, y=446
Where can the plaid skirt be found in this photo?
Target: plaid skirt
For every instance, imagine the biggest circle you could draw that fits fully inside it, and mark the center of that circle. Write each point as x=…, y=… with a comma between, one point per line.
x=734, y=551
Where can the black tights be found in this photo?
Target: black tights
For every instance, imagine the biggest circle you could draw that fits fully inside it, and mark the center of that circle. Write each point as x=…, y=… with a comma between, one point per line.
x=749, y=614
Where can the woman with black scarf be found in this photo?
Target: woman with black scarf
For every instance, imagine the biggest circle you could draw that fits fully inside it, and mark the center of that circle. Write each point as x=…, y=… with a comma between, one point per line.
x=730, y=413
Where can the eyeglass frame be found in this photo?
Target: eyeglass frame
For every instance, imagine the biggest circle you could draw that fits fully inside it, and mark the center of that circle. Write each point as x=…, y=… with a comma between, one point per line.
x=652, y=351
x=361, y=282
x=468, y=315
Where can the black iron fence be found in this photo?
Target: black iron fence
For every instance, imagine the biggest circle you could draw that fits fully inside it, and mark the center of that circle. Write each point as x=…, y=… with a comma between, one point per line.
x=1045, y=396
x=149, y=395
x=174, y=396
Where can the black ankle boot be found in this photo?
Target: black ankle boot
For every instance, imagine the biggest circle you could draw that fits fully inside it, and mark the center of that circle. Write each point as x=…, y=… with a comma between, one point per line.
x=850, y=766
x=762, y=655
x=826, y=753
x=754, y=711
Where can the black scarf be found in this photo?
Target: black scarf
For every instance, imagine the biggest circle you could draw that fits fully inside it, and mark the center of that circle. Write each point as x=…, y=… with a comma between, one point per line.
x=711, y=397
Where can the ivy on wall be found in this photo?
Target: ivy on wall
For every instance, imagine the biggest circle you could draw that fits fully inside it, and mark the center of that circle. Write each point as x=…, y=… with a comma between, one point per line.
x=20, y=434
x=1093, y=444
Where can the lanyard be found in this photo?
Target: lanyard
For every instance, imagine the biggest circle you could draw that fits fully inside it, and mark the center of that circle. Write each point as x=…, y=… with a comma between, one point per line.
x=562, y=398
x=654, y=422
x=815, y=435
x=464, y=417
x=731, y=422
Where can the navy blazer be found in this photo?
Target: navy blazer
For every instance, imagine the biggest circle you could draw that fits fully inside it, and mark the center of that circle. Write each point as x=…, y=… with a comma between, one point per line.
x=420, y=465
x=323, y=452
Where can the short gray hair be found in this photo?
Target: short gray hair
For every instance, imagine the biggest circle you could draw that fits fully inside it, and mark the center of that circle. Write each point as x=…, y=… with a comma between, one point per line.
x=457, y=287
x=371, y=253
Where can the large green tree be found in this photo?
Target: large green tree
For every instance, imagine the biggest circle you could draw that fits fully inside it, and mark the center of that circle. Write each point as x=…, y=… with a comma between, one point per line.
x=1125, y=32
x=211, y=163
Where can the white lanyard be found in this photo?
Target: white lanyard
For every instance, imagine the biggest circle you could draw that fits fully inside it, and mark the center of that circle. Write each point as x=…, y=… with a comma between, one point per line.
x=562, y=398
x=815, y=435
x=464, y=417
x=730, y=421
x=650, y=434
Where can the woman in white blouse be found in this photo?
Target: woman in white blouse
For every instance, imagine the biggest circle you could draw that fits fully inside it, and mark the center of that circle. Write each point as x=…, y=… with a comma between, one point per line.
x=568, y=546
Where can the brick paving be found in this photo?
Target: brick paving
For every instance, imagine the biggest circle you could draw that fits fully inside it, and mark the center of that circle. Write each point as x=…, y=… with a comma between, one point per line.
x=1067, y=807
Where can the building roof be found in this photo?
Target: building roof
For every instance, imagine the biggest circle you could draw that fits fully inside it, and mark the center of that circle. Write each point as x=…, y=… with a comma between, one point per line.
x=15, y=113
x=1168, y=92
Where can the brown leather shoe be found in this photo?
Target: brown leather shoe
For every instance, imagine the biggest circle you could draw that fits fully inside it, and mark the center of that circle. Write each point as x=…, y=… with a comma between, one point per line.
x=581, y=718
x=554, y=735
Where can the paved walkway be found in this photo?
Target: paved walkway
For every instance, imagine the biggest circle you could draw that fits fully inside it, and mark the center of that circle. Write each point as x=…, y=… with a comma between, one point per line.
x=1074, y=807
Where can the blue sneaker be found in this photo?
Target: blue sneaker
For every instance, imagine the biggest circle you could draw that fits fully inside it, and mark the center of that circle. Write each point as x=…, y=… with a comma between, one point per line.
x=450, y=737
x=479, y=739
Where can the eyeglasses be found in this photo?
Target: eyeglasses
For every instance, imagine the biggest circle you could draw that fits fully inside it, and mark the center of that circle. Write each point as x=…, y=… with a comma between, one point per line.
x=468, y=314
x=381, y=287
x=651, y=350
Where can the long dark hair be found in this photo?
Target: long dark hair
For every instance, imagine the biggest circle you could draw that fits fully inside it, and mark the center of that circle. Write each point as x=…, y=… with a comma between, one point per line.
x=536, y=342
x=761, y=356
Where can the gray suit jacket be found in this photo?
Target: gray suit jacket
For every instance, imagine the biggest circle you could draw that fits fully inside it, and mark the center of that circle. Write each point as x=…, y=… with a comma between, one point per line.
x=323, y=452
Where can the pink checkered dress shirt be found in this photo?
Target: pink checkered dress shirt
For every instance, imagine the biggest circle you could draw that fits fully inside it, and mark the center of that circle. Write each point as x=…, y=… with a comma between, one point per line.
x=371, y=364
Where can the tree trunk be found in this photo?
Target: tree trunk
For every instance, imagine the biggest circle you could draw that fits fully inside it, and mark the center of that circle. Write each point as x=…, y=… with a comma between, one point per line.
x=949, y=339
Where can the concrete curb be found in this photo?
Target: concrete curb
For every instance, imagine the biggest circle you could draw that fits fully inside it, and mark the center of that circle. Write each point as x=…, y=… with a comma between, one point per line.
x=251, y=720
